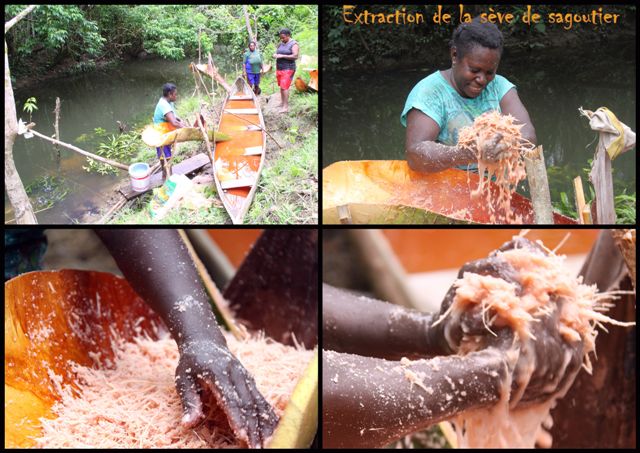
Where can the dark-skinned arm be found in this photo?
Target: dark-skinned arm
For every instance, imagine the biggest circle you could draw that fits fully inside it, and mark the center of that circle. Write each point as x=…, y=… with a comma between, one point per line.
x=510, y=104
x=369, y=402
x=361, y=325
x=423, y=153
x=158, y=266
x=174, y=120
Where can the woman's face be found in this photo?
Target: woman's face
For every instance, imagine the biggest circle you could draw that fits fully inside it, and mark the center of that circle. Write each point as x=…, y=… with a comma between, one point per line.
x=475, y=70
x=252, y=47
x=284, y=38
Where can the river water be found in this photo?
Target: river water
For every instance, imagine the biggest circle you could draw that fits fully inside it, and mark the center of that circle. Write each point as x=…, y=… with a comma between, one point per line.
x=361, y=112
x=126, y=93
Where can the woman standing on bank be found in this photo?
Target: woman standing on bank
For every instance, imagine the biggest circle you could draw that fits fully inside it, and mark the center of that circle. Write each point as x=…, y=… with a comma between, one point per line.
x=286, y=56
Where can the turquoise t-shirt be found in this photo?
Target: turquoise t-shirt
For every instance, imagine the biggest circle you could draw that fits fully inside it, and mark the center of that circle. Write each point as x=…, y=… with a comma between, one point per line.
x=162, y=109
x=436, y=98
x=255, y=60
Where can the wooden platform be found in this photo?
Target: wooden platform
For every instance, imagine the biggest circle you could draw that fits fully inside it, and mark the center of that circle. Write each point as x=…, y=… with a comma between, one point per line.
x=185, y=167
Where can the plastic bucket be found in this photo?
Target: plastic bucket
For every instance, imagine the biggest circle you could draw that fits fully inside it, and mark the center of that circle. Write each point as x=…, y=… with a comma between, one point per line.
x=140, y=175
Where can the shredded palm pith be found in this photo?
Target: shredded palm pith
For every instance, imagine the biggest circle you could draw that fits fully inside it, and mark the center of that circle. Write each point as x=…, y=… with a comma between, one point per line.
x=136, y=405
x=543, y=279
x=508, y=171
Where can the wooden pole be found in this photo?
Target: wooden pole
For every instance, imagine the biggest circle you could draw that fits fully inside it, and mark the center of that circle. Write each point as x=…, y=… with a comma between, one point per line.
x=16, y=19
x=601, y=178
x=104, y=160
x=204, y=85
x=386, y=273
x=206, y=141
x=213, y=72
x=57, y=127
x=248, y=24
x=112, y=211
x=539, y=186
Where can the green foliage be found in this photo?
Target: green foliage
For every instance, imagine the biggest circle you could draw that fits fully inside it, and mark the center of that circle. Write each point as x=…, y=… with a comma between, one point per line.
x=625, y=206
x=61, y=28
x=46, y=191
x=120, y=148
x=349, y=46
x=54, y=33
x=121, y=25
x=565, y=206
x=171, y=30
x=30, y=106
x=288, y=191
x=625, y=209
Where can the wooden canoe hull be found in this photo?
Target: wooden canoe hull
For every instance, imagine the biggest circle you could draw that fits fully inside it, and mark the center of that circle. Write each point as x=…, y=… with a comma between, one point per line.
x=313, y=79
x=389, y=192
x=152, y=137
x=238, y=162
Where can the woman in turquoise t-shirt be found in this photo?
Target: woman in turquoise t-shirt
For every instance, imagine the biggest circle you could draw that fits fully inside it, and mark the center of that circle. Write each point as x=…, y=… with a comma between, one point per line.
x=446, y=101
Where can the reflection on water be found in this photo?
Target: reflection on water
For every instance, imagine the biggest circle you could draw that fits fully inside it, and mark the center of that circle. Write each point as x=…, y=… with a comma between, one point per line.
x=127, y=93
x=361, y=113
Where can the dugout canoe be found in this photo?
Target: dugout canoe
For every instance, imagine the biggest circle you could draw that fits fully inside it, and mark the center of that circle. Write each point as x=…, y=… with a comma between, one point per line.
x=313, y=79
x=389, y=192
x=238, y=162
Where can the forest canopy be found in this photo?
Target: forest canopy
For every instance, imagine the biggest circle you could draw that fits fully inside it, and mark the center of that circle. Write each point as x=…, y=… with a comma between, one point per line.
x=82, y=35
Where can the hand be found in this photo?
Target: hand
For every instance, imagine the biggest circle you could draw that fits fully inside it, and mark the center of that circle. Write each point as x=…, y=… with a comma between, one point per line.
x=209, y=366
x=544, y=365
x=492, y=148
x=449, y=332
x=275, y=55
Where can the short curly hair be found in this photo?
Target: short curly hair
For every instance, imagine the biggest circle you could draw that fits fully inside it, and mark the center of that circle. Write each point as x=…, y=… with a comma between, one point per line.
x=476, y=33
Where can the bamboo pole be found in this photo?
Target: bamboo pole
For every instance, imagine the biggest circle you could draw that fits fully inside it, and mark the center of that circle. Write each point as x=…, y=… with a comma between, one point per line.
x=539, y=186
x=104, y=160
x=212, y=289
x=212, y=256
x=584, y=214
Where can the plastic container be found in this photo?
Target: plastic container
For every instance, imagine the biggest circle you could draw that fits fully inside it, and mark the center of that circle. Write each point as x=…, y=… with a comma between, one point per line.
x=167, y=196
x=140, y=175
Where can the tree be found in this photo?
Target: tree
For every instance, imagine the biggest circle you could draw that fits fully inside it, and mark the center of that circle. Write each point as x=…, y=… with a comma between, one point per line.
x=13, y=184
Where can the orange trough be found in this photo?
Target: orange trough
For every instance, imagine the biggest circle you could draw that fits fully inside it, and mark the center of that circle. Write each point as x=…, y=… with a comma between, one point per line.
x=389, y=192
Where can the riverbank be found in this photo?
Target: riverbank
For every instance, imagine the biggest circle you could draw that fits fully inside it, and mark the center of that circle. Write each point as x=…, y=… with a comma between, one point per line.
x=288, y=187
